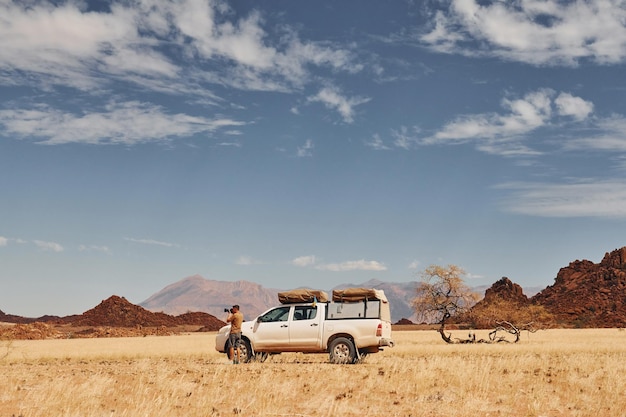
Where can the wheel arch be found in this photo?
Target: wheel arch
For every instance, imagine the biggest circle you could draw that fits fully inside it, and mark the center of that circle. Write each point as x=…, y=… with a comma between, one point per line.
x=336, y=335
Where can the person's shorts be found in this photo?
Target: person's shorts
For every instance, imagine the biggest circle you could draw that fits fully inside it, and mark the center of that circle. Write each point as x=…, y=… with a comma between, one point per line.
x=234, y=339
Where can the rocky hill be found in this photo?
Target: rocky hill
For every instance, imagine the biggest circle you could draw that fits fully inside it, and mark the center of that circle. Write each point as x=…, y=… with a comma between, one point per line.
x=113, y=317
x=506, y=290
x=118, y=312
x=586, y=294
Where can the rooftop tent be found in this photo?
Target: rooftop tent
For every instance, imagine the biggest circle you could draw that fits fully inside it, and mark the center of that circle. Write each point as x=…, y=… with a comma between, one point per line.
x=348, y=295
x=302, y=295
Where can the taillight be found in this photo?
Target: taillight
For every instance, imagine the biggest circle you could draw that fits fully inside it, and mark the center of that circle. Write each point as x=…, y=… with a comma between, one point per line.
x=379, y=330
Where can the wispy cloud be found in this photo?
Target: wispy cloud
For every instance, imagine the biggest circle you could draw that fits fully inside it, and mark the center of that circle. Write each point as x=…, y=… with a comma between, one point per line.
x=521, y=116
x=120, y=123
x=360, y=265
x=333, y=99
x=304, y=261
x=3, y=241
x=94, y=248
x=184, y=48
x=74, y=46
x=48, y=246
x=534, y=32
x=152, y=242
x=247, y=261
x=377, y=143
x=581, y=199
x=609, y=136
x=503, y=133
x=306, y=149
x=414, y=265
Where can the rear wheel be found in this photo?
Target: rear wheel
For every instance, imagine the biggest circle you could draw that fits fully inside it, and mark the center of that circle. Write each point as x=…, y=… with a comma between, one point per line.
x=342, y=351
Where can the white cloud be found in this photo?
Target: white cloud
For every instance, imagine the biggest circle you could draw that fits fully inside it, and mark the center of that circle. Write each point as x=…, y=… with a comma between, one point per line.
x=303, y=261
x=403, y=138
x=49, y=246
x=377, y=143
x=94, y=248
x=64, y=44
x=581, y=199
x=361, y=265
x=525, y=114
x=152, y=242
x=120, y=123
x=414, y=265
x=161, y=45
x=504, y=133
x=568, y=105
x=610, y=136
x=332, y=99
x=3, y=241
x=537, y=32
x=306, y=149
x=246, y=261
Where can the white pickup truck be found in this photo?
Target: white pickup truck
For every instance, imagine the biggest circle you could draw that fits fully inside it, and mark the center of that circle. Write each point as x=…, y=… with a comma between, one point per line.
x=357, y=321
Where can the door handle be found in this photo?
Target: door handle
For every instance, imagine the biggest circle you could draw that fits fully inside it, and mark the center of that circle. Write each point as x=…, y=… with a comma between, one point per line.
x=284, y=325
x=314, y=325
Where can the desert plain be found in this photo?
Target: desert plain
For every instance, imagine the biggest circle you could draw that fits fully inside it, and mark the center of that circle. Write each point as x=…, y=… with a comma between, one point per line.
x=550, y=373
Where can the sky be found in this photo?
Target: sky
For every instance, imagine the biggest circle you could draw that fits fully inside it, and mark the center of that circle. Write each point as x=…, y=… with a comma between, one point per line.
x=304, y=143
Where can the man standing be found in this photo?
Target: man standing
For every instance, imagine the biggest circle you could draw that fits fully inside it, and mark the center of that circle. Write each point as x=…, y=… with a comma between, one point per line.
x=235, y=318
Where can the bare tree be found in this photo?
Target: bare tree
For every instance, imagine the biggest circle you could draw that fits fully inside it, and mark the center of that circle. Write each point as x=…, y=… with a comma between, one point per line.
x=441, y=295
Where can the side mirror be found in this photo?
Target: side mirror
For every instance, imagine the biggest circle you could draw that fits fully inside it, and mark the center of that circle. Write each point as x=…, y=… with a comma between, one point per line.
x=259, y=319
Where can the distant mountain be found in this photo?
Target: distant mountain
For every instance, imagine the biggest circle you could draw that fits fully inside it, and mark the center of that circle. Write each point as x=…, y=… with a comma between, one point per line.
x=196, y=293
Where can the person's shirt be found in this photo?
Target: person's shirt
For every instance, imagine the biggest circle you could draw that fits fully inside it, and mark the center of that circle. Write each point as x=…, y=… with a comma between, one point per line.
x=236, y=319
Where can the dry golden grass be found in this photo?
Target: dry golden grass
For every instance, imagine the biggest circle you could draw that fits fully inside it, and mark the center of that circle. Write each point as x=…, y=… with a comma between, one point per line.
x=551, y=373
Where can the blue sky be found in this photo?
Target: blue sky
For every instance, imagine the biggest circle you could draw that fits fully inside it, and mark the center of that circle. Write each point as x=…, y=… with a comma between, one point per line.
x=304, y=143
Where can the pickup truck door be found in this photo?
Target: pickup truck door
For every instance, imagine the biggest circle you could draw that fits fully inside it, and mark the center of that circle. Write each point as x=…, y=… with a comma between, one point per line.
x=271, y=331
x=305, y=327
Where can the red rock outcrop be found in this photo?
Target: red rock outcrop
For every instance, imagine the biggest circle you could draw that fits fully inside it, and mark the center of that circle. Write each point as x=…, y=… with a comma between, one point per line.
x=118, y=312
x=585, y=294
x=506, y=290
x=113, y=317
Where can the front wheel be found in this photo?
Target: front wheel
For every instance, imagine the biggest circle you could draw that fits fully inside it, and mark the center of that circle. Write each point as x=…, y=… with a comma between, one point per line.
x=342, y=351
x=245, y=351
x=244, y=348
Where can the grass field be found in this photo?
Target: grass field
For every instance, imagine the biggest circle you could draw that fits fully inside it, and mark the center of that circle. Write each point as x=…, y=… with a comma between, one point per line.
x=549, y=373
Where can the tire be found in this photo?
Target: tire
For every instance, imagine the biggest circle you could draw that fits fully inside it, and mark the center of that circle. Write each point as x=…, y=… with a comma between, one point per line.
x=245, y=351
x=342, y=351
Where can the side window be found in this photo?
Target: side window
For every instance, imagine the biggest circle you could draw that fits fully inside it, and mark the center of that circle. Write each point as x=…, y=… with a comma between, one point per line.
x=305, y=313
x=277, y=314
